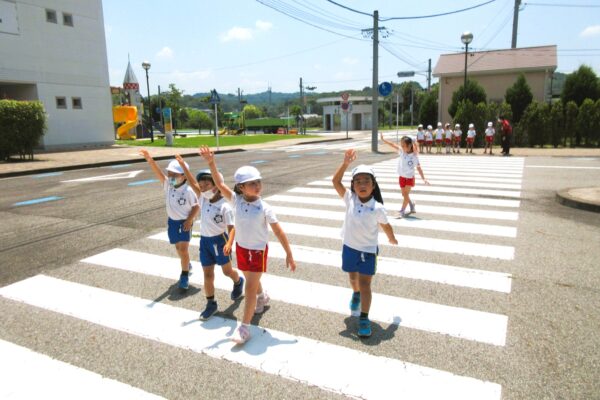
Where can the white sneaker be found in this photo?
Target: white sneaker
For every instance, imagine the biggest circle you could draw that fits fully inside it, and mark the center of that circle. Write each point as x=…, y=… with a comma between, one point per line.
x=413, y=209
x=261, y=301
x=241, y=335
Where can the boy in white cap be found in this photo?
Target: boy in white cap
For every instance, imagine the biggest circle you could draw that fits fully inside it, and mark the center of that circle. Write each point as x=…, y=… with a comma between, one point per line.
x=448, y=137
x=471, y=133
x=252, y=218
x=420, y=136
x=489, y=137
x=456, y=138
x=182, y=209
x=216, y=225
x=429, y=138
x=364, y=214
x=439, y=138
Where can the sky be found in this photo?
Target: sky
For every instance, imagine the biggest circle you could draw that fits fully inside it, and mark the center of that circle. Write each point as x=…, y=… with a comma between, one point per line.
x=247, y=44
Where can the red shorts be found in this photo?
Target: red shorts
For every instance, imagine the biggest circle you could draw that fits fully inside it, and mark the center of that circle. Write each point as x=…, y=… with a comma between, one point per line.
x=489, y=139
x=438, y=141
x=420, y=141
x=428, y=142
x=448, y=141
x=470, y=140
x=251, y=260
x=406, y=181
x=457, y=138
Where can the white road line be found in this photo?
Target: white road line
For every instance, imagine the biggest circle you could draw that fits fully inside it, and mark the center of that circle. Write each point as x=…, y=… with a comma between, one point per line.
x=441, y=189
x=447, y=181
x=420, y=197
x=454, y=168
x=30, y=375
x=393, y=177
x=421, y=208
x=411, y=223
x=560, y=167
x=454, y=321
x=323, y=365
x=438, y=273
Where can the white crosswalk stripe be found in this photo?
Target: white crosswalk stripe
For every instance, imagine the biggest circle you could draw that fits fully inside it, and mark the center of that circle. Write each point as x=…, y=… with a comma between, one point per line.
x=469, y=210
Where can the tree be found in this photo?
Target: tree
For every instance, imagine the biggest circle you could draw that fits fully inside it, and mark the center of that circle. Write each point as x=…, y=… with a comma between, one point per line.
x=473, y=92
x=428, y=113
x=173, y=100
x=251, y=111
x=580, y=85
x=571, y=112
x=519, y=97
x=557, y=124
x=465, y=114
x=585, y=122
x=596, y=122
x=533, y=124
x=199, y=120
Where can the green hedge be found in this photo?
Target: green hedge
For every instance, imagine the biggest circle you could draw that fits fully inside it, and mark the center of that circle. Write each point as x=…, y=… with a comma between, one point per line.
x=22, y=125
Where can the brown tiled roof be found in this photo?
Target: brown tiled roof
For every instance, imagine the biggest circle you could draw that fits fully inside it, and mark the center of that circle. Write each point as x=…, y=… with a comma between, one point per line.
x=525, y=58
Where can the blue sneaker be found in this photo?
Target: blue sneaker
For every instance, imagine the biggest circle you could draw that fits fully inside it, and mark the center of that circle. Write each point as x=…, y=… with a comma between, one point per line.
x=209, y=311
x=184, y=282
x=364, y=327
x=238, y=290
x=355, y=302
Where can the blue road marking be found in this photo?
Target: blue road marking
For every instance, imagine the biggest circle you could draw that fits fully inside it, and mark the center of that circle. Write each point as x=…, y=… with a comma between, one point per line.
x=47, y=174
x=36, y=201
x=138, y=183
x=258, y=162
x=317, y=153
x=121, y=166
x=294, y=156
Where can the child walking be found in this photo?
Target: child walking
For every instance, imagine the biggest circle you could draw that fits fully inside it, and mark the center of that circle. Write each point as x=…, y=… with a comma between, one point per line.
x=429, y=138
x=216, y=224
x=489, y=137
x=456, y=139
x=439, y=136
x=471, y=133
x=407, y=161
x=364, y=214
x=252, y=217
x=182, y=209
x=449, y=135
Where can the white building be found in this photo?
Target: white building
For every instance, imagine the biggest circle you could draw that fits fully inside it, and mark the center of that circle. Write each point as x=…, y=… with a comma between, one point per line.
x=55, y=51
x=356, y=119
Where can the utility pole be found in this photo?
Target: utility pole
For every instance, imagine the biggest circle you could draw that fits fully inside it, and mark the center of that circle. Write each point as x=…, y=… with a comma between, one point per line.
x=429, y=76
x=301, y=108
x=513, y=44
x=375, y=94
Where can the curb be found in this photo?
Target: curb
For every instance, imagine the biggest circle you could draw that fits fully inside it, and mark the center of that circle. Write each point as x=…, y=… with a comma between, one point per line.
x=101, y=164
x=563, y=197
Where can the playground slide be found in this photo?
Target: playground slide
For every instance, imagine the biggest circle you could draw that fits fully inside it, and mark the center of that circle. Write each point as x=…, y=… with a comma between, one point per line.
x=123, y=130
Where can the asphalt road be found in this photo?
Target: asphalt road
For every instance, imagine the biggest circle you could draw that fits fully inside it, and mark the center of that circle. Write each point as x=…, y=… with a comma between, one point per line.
x=550, y=349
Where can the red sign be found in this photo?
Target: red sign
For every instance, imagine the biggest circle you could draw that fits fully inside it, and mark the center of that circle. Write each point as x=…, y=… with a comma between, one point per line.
x=345, y=106
x=345, y=97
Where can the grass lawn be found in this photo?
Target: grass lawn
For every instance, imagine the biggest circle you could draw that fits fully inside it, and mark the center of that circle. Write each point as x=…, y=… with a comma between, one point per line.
x=196, y=141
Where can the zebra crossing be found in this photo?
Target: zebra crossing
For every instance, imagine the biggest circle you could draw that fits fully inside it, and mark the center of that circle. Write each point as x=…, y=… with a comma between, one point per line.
x=470, y=211
x=359, y=144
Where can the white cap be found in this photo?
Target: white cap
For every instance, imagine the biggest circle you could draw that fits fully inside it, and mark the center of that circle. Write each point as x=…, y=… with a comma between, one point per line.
x=175, y=167
x=429, y=127
x=246, y=174
x=420, y=126
x=439, y=124
x=203, y=172
x=471, y=126
x=457, y=126
x=362, y=169
x=490, y=124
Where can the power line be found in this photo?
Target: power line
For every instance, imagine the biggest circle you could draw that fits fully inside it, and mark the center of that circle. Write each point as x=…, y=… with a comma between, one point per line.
x=563, y=5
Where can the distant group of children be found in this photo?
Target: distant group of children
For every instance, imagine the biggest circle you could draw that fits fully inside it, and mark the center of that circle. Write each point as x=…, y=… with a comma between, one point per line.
x=240, y=215
x=451, y=138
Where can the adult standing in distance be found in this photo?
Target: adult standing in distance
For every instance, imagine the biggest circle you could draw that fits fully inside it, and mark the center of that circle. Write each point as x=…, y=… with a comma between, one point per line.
x=506, y=134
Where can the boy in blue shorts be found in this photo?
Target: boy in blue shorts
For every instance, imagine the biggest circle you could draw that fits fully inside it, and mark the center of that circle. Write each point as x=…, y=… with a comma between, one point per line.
x=182, y=209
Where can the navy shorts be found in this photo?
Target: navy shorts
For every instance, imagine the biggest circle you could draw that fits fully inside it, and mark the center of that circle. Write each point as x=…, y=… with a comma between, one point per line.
x=211, y=250
x=176, y=232
x=358, y=261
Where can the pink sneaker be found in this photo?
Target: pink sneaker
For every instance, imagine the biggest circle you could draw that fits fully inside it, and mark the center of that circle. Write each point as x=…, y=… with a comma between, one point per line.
x=261, y=302
x=242, y=335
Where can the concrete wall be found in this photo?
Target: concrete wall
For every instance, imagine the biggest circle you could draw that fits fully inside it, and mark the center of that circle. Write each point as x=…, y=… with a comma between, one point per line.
x=61, y=61
x=495, y=87
x=334, y=112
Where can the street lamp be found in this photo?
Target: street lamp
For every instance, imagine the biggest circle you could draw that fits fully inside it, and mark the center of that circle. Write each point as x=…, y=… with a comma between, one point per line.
x=466, y=38
x=146, y=65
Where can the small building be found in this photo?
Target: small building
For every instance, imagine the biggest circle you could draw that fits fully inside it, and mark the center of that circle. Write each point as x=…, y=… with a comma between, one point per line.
x=54, y=51
x=496, y=71
x=357, y=118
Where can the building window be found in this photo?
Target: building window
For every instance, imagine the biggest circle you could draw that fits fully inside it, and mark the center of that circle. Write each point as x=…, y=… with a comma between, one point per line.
x=51, y=16
x=67, y=19
x=61, y=102
x=76, y=101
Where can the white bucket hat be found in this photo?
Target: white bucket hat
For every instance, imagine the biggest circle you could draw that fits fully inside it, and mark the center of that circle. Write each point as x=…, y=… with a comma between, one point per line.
x=362, y=169
x=471, y=126
x=204, y=172
x=490, y=124
x=246, y=174
x=175, y=167
x=457, y=126
x=429, y=127
x=420, y=126
x=439, y=124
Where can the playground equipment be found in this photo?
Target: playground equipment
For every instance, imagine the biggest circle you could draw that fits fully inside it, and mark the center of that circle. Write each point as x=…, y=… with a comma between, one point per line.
x=128, y=116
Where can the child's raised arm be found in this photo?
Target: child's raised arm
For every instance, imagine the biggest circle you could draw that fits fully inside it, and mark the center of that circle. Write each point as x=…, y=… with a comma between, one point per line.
x=188, y=175
x=393, y=145
x=155, y=168
x=349, y=156
x=209, y=156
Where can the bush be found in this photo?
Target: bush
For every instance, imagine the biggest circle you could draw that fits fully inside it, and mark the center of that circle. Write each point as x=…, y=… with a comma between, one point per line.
x=557, y=124
x=519, y=97
x=585, y=122
x=580, y=85
x=534, y=123
x=473, y=92
x=22, y=125
x=571, y=111
x=596, y=123
x=428, y=114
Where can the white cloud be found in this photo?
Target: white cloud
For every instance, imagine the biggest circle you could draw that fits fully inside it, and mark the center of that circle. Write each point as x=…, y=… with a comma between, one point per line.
x=350, y=60
x=237, y=33
x=593, y=30
x=263, y=25
x=165, y=52
x=342, y=75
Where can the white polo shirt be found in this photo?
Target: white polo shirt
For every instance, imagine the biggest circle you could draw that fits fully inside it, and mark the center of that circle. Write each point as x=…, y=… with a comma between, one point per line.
x=448, y=133
x=214, y=217
x=420, y=135
x=407, y=162
x=439, y=134
x=179, y=200
x=457, y=133
x=490, y=132
x=251, y=219
x=471, y=133
x=428, y=135
x=361, y=224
